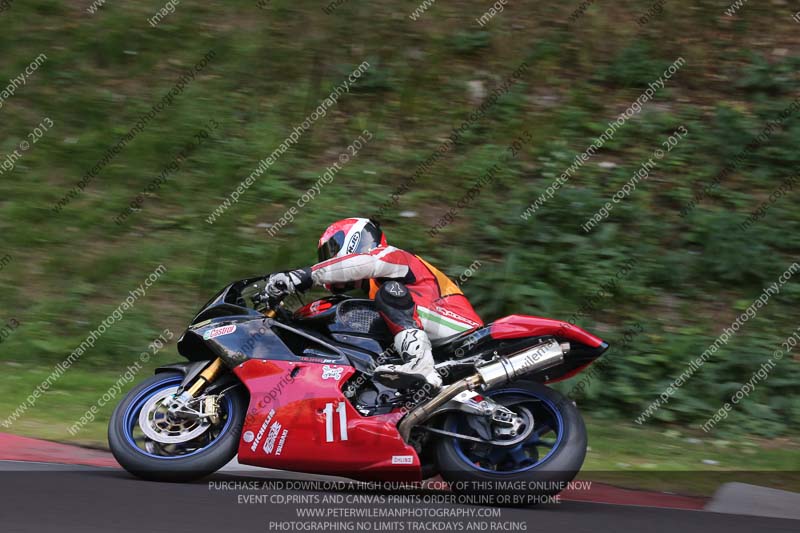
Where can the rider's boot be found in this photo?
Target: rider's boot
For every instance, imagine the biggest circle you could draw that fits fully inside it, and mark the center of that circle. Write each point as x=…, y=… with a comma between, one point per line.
x=418, y=371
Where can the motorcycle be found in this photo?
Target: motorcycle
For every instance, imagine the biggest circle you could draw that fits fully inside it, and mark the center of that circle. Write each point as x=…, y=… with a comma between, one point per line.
x=294, y=391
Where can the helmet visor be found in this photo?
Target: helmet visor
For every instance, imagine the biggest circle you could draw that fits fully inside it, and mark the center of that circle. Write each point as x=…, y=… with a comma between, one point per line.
x=331, y=247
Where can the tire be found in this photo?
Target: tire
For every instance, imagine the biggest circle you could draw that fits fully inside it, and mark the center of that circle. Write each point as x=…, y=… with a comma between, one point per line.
x=537, y=483
x=195, y=465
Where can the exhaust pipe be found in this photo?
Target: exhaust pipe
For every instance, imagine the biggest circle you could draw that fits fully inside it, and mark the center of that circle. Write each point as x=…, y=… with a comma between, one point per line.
x=513, y=366
x=490, y=375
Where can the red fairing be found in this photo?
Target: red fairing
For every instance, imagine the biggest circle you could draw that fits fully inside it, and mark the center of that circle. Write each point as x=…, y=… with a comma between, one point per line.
x=299, y=420
x=516, y=326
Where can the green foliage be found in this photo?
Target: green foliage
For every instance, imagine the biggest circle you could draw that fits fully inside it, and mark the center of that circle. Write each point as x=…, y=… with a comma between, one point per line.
x=759, y=75
x=634, y=66
x=470, y=42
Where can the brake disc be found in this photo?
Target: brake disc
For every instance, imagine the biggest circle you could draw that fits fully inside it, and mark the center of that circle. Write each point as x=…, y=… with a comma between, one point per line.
x=160, y=425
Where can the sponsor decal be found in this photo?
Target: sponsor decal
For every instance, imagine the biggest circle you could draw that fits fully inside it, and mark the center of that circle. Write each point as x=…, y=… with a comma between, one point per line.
x=395, y=289
x=269, y=443
x=281, y=442
x=402, y=459
x=218, y=332
x=354, y=240
x=454, y=316
x=262, y=430
x=248, y=436
x=316, y=360
x=332, y=372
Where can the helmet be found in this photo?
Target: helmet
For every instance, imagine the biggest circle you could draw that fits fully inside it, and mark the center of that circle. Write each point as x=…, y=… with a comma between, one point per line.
x=350, y=236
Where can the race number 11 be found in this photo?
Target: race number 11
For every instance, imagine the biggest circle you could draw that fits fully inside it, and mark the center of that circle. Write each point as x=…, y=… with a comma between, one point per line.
x=329, y=421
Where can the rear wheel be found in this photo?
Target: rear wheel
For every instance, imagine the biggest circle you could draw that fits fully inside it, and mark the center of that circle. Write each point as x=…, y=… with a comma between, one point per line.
x=526, y=470
x=152, y=444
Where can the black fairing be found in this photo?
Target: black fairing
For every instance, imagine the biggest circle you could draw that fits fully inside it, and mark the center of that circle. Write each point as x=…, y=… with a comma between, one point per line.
x=350, y=333
x=228, y=306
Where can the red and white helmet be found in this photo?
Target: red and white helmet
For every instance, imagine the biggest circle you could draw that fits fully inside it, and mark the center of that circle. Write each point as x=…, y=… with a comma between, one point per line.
x=350, y=236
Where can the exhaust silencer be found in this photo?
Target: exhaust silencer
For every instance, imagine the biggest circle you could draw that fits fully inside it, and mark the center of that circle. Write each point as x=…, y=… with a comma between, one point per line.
x=511, y=367
x=498, y=372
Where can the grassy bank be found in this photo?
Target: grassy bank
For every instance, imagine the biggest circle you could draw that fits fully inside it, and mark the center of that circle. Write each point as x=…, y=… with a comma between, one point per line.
x=693, y=275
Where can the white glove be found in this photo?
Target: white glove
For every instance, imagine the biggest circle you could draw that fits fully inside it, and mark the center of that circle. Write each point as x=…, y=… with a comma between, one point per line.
x=285, y=283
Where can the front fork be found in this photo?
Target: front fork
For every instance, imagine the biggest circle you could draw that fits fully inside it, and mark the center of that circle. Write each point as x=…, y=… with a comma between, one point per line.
x=184, y=404
x=209, y=374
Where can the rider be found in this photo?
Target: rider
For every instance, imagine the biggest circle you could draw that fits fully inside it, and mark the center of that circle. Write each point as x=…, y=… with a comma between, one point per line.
x=418, y=303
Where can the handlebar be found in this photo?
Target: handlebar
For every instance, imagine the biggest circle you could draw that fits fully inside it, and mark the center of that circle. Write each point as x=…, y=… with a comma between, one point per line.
x=271, y=303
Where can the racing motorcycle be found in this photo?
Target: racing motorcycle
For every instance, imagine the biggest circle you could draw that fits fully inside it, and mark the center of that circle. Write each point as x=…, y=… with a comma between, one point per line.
x=293, y=390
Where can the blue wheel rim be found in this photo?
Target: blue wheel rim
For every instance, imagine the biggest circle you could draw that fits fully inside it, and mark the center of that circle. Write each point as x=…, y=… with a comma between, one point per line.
x=130, y=419
x=516, y=453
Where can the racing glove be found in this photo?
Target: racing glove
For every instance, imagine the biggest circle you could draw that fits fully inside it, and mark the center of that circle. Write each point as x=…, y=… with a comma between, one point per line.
x=285, y=283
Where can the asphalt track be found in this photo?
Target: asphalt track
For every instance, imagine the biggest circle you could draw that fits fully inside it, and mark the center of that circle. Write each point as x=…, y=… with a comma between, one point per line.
x=46, y=486
x=39, y=497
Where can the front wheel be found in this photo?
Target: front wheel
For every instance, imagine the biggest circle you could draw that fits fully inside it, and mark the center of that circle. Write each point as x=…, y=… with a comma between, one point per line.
x=540, y=460
x=152, y=444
